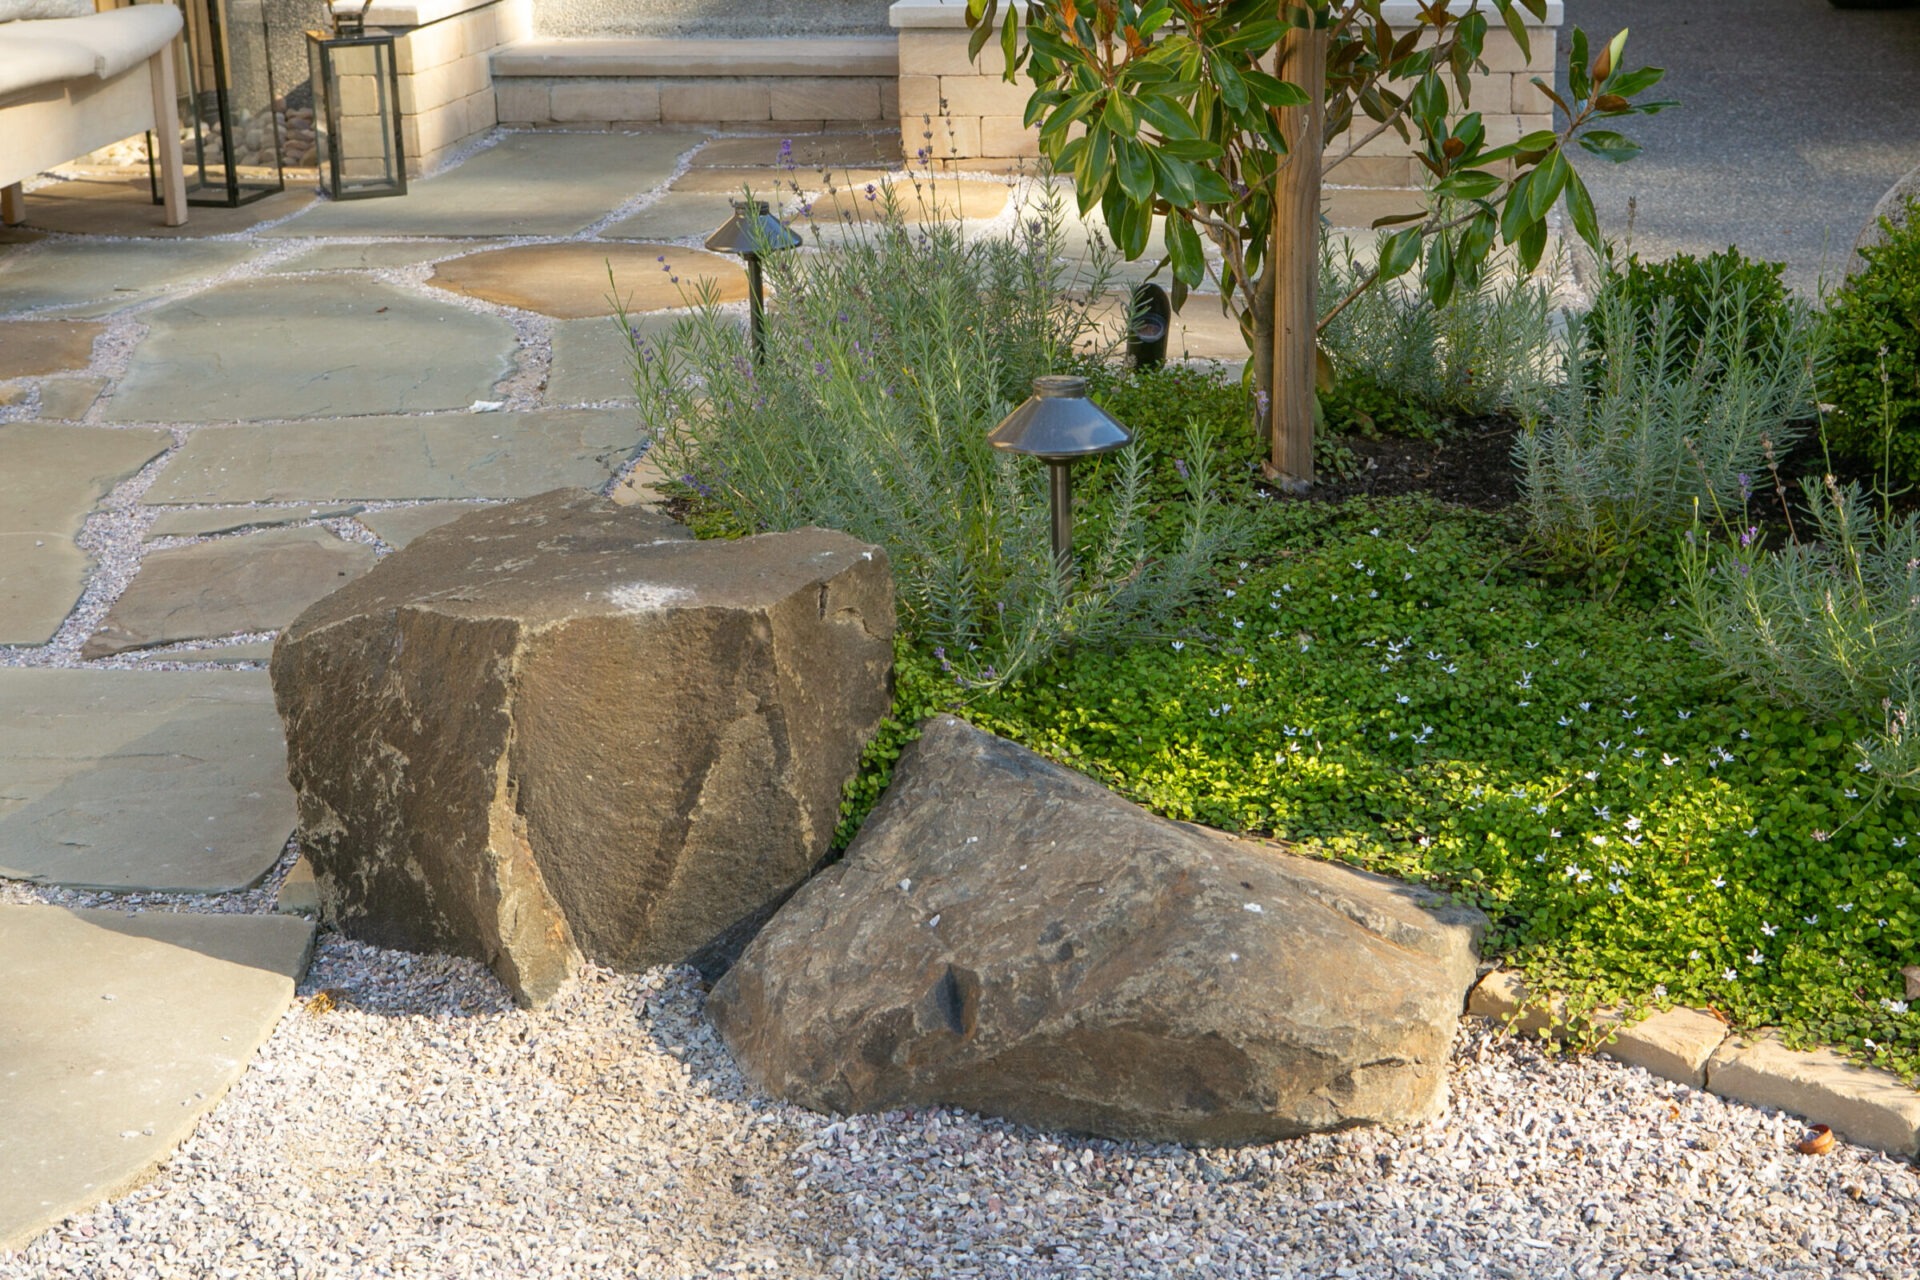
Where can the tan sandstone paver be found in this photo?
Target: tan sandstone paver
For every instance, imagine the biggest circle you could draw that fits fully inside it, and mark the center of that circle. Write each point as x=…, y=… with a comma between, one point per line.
x=530, y=184
x=231, y=586
x=370, y=257
x=808, y=152
x=50, y=478
x=574, y=281
x=31, y=348
x=162, y=780
x=393, y=459
x=121, y=1032
x=94, y=277
x=291, y=348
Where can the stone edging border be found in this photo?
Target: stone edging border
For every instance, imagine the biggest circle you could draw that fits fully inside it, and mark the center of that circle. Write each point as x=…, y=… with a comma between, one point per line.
x=1865, y=1106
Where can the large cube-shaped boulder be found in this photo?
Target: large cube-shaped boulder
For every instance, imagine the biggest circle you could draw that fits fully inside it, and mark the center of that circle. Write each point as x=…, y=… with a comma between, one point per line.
x=561, y=728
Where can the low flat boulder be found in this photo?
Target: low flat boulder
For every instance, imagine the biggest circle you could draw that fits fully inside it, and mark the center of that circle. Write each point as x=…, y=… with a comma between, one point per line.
x=561, y=728
x=1008, y=936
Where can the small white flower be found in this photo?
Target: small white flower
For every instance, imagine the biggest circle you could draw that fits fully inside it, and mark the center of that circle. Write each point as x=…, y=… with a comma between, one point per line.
x=1230, y=593
x=1899, y=842
x=1894, y=1006
x=1769, y=929
x=1659, y=991
x=1402, y=699
x=1686, y=715
x=1745, y=736
x=1693, y=955
x=1586, y=706
x=1719, y=882
x=1583, y=877
x=1810, y=920
x=1569, y=871
x=1451, y=668
x=1728, y=975
x=1615, y=887
x=1243, y=682
x=1632, y=823
x=1599, y=840
x=1591, y=775
x=1851, y=794
x=1539, y=811
x=1668, y=760
x=1603, y=811
x=1237, y=624
x=1179, y=644
x=1752, y=832
x=1755, y=959
x=1565, y=721
x=1554, y=832
x=1846, y=906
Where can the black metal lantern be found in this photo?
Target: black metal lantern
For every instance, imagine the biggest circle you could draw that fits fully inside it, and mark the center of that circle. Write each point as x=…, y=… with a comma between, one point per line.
x=1058, y=424
x=356, y=111
x=1149, y=320
x=229, y=131
x=751, y=232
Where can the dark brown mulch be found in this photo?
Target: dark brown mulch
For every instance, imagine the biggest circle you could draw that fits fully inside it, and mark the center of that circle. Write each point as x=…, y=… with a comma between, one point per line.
x=1472, y=466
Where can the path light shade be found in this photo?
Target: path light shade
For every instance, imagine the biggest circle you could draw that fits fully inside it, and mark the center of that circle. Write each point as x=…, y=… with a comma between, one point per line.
x=356, y=108
x=1058, y=424
x=1149, y=320
x=750, y=232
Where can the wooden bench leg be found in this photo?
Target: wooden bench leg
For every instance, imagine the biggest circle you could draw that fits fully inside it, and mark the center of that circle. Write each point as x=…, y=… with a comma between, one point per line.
x=166, y=134
x=13, y=205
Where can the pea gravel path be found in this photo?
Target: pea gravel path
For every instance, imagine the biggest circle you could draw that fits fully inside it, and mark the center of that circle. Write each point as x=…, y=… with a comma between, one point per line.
x=423, y=1127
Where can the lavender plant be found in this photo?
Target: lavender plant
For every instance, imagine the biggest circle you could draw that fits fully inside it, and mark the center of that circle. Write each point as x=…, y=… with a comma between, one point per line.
x=1830, y=623
x=892, y=351
x=1633, y=441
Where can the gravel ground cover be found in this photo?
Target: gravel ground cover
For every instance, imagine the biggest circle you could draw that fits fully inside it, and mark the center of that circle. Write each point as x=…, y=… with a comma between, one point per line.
x=421, y=1127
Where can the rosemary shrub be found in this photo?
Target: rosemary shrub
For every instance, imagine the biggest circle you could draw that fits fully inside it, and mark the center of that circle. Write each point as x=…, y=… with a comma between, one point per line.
x=1628, y=443
x=892, y=351
x=1829, y=623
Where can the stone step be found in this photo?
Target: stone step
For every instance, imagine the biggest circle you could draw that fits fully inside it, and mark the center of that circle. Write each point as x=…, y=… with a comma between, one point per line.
x=697, y=58
x=790, y=85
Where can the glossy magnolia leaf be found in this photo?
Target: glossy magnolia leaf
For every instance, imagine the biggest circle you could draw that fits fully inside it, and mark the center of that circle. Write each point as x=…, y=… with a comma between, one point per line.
x=1548, y=181
x=1609, y=145
x=1233, y=89
x=1397, y=219
x=1580, y=208
x=1010, y=44
x=1533, y=243
x=1513, y=215
x=977, y=40
x=1188, y=257
x=1133, y=168
x=1639, y=80
x=1398, y=253
x=1274, y=92
x=1517, y=28
x=1468, y=184
x=1439, y=274
x=1577, y=80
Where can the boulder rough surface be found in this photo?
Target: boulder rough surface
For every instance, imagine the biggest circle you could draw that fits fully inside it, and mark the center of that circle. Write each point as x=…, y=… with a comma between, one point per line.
x=561, y=728
x=1008, y=936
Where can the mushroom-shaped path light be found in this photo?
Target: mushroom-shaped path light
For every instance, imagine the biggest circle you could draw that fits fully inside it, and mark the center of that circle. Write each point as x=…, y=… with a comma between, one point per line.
x=1058, y=424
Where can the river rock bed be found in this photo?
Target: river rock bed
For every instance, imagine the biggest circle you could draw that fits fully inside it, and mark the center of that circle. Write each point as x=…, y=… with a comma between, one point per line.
x=422, y=1126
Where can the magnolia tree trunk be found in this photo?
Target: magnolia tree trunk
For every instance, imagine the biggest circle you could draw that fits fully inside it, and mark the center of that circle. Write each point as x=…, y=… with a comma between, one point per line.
x=1294, y=266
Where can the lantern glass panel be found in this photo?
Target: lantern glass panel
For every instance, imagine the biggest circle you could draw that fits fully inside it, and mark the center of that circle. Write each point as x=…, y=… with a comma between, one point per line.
x=356, y=115
x=228, y=131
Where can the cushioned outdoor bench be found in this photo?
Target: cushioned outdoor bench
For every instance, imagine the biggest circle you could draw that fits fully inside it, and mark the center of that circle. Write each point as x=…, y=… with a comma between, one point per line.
x=71, y=85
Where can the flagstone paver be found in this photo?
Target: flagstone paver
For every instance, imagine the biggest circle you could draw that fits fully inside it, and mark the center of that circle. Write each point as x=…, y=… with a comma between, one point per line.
x=807, y=152
x=117, y=206
x=194, y=522
x=592, y=359
x=392, y=459
x=370, y=257
x=50, y=478
x=31, y=348
x=573, y=281
x=765, y=184
x=290, y=348
x=860, y=195
x=162, y=780
x=121, y=1032
x=231, y=586
x=226, y=655
x=86, y=278
x=397, y=526
x=69, y=399
x=676, y=215
x=530, y=184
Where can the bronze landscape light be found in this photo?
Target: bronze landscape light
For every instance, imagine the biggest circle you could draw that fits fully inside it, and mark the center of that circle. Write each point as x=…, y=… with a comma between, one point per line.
x=1058, y=424
x=751, y=232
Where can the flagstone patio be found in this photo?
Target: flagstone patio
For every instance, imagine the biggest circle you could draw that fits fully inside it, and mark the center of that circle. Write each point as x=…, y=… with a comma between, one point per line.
x=206, y=429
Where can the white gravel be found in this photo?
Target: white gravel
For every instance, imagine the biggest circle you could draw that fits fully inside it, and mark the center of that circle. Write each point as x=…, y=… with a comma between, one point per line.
x=424, y=1127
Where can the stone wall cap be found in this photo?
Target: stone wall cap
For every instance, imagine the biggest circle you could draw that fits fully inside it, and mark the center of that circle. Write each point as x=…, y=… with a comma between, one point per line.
x=706, y=57
x=397, y=14
x=916, y=15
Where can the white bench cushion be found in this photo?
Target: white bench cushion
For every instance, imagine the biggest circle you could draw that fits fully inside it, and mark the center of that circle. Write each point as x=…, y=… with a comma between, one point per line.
x=101, y=45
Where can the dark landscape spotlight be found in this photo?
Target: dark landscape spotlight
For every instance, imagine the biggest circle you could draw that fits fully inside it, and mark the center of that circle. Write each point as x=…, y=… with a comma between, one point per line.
x=1058, y=424
x=750, y=232
x=1149, y=320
